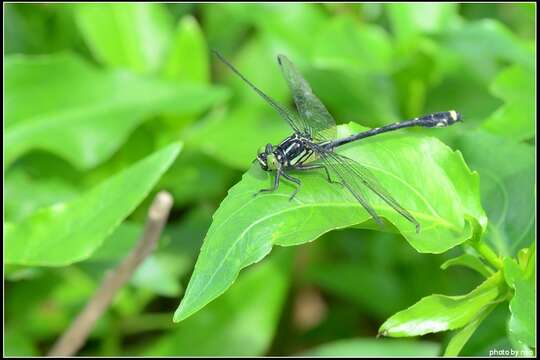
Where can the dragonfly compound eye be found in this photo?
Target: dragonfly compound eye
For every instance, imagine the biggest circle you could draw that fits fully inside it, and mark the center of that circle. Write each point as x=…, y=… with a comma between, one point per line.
x=271, y=162
x=261, y=158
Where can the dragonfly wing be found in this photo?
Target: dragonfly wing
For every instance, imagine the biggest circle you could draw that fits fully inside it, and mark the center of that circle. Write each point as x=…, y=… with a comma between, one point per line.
x=318, y=121
x=357, y=176
x=351, y=183
x=297, y=124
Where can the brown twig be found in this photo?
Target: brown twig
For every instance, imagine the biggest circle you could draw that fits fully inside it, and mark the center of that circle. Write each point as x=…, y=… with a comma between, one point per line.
x=75, y=337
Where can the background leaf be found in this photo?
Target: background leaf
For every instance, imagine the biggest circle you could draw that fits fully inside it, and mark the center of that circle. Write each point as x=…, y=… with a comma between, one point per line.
x=65, y=233
x=515, y=119
x=460, y=338
x=253, y=302
x=522, y=324
x=81, y=113
x=375, y=347
x=507, y=188
x=187, y=59
x=436, y=313
x=126, y=35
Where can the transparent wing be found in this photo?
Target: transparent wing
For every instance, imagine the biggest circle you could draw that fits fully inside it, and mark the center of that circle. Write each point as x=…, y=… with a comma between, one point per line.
x=318, y=121
x=294, y=121
x=355, y=177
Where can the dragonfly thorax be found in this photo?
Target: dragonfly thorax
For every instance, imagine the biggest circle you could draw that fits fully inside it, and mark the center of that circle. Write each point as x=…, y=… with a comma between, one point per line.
x=290, y=152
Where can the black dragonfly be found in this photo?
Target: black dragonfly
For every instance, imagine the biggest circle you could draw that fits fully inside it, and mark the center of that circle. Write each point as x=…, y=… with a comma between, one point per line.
x=314, y=138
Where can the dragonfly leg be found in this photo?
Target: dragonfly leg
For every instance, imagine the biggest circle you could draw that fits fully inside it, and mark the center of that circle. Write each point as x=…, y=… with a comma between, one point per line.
x=294, y=180
x=276, y=184
x=318, y=166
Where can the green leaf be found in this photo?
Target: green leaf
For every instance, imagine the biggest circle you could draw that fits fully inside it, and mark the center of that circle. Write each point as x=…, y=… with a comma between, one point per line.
x=507, y=188
x=118, y=244
x=35, y=29
x=70, y=232
x=242, y=322
x=469, y=261
x=516, y=119
x=522, y=306
x=83, y=114
x=187, y=59
x=344, y=43
x=290, y=28
x=473, y=99
x=195, y=176
x=222, y=33
x=234, y=137
x=127, y=35
x=437, y=313
x=491, y=334
x=255, y=55
x=409, y=20
x=17, y=343
x=337, y=279
x=245, y=227
x=483, y=44
x=26, y=194
x=375, y=347
x=186, y=236
x=159, y=273
x=463, y=335
x=373, y=103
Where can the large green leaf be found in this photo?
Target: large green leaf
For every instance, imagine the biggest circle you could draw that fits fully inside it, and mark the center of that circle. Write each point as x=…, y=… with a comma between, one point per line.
x=245, y=227
x=437, y=313
x=22, y=202
x=463, y=335
x=187, y=59
x=233, y=137
x=346, y=44
x=409, y=20
x=373, y=103
x=508, y=187
x=81, y=113
x=70, y=232
x=522, y=280
x=359, y=282
x=516, y=119
x=242, y=322
x=222, y=33
x=158, y=273
x=375, y=347
x=195, y=176
x=128, y=35
x=34, y=29
x=255, y=55
x=290, y=28
x=481, y=45
x=17, y=343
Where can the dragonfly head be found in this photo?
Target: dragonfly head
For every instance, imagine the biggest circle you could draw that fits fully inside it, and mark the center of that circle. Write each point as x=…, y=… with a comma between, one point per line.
x=266, y=158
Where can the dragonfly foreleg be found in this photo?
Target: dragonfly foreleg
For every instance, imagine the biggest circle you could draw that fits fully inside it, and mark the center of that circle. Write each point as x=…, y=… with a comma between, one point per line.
x=294, y=180
x=276, y=184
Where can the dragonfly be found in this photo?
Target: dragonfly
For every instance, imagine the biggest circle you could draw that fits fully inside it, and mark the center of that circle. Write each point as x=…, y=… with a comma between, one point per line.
x=313, y=143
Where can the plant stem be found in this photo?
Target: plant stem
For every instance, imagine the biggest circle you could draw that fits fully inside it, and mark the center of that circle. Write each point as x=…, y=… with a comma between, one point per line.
x=75, y=336
x=488, y=254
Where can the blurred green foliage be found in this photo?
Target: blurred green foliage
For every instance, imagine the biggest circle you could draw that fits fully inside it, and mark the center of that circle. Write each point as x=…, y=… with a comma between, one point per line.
x=96, y=93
